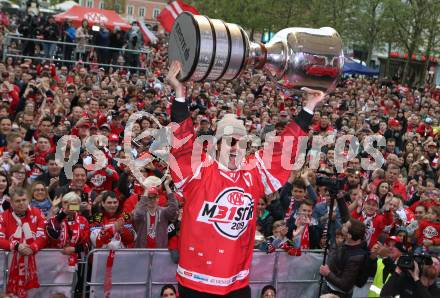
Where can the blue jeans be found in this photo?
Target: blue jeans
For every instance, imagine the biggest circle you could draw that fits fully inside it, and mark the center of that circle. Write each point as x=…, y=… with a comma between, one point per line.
x=49, y=49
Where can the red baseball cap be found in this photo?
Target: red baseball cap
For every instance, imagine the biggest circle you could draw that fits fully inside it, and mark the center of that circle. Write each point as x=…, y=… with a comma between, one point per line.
x=372, y=197
x=113, y=137
x=398, y=243
x=153, y=191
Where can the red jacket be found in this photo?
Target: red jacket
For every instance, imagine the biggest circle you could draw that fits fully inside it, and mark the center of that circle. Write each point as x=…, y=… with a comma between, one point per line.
x=8, y=226
x=221, y=203
x=74, y=232
x=103, y=234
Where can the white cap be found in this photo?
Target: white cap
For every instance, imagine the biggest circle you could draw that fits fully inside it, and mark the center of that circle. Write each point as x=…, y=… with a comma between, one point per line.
x=229, y=125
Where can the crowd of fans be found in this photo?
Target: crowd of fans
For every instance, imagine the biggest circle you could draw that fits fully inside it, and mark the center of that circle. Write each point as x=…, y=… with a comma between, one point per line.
x=44, y=28
x=109, y=208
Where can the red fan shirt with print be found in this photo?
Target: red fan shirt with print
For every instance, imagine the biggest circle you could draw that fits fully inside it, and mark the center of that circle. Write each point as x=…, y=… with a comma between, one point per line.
x=219, y=221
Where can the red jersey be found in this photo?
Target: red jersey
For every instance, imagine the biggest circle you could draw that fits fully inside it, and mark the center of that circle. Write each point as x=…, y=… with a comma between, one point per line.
x=428, y=230
x=219, y=222
x=100, y=181
x=103, y=234
x=34, y=220
x=374, y=225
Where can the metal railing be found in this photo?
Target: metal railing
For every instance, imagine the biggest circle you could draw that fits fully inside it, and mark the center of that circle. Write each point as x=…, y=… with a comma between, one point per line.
x=145, y=271
x=50, y=263
x=8, y=38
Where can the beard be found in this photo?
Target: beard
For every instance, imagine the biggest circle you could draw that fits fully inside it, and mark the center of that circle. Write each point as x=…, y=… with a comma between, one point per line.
x=429, y=272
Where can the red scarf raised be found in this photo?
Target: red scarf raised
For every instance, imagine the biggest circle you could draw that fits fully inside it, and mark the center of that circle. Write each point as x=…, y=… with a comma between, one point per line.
x=20, y=281
x=305, y=240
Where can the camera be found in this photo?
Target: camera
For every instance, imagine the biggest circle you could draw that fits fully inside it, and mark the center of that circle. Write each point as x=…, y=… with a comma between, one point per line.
x=406, y=261
x=331, y=181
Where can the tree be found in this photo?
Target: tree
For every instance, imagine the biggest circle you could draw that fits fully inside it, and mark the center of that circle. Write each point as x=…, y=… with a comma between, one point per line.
x=368, y=25
x=410, y=19
x=432, y=34
x=116, y=5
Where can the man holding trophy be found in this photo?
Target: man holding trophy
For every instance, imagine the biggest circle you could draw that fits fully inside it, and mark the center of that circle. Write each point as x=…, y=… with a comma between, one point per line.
x=222, y=187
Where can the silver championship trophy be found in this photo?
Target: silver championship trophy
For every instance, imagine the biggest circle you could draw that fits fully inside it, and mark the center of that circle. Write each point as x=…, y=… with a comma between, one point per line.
x=211, y=49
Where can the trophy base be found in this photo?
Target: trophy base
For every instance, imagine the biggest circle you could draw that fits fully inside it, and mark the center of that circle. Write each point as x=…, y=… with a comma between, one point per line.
x=208, y=49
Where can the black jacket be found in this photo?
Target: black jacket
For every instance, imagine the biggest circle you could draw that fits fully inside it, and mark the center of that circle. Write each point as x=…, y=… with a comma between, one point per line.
x=404, y=285
x=345, y=263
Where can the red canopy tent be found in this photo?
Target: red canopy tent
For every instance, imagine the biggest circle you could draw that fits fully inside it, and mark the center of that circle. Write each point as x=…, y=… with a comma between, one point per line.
x=94, y=16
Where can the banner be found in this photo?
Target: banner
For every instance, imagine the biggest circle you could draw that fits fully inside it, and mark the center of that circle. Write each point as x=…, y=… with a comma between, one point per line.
x=148, y=36
x=169, y=14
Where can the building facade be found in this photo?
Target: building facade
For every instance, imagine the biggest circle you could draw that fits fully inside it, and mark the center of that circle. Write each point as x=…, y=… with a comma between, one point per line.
x=131, y=10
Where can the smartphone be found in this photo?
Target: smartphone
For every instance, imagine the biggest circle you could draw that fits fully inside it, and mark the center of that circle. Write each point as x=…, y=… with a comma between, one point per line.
x=73, y=207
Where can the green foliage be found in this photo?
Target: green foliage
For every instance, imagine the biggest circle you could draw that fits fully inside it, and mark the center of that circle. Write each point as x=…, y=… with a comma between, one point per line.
x=369, y=24
x=116, y=5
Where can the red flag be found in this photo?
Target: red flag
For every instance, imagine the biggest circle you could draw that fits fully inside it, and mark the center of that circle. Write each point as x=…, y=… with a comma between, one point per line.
x=148, y=36
x=169, y=14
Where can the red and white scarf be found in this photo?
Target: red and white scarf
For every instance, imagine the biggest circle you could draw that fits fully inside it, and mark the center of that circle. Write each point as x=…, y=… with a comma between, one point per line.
x=69, y=236
x=305, y=240
x=23, y=270
x=369, y=225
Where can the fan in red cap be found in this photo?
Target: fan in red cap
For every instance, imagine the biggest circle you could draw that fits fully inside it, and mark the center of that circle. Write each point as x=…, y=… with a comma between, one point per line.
x=153, y=191
x=151, y=221
x=113, y=145
x=374, y=222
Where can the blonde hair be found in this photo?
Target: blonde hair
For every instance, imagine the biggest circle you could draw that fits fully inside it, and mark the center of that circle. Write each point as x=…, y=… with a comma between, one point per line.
x=32, y=189
x=72, y=198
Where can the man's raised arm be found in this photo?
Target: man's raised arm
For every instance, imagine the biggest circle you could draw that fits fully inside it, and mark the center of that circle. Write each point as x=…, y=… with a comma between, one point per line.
x=179, y=107
x=282, y=152
x=183, y=135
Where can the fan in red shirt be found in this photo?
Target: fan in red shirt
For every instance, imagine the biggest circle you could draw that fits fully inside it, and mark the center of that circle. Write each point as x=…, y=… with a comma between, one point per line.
x=428, y=233
x=221, y=193
x=94, y=114
x=69, y=230
x=428, y=198
x=111, y=228
x=22, y=233
x=391, y=176
x=374, y=222
x=9, y=93
x=323, y=125
x=103, y=179
x=42, y=148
